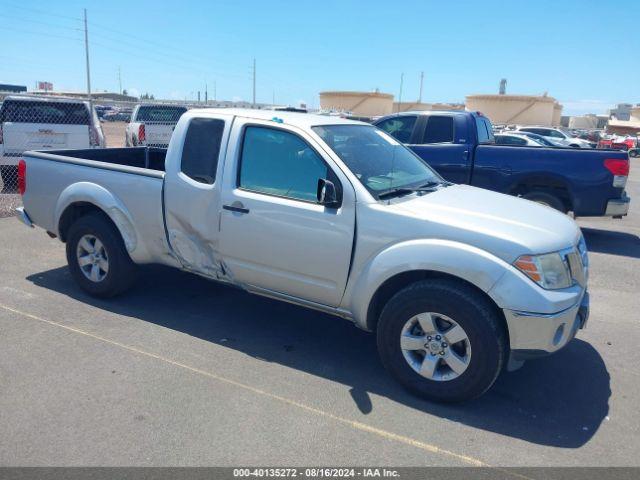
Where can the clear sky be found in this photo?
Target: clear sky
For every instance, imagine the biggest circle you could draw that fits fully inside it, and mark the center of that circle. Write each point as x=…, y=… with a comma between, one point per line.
x=584, y=53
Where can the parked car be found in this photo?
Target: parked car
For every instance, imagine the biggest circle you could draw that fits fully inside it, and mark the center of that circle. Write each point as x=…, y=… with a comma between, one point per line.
x=117, y=116
x=461, y=147
x=515, y=139
x=152, y=125
x=28, y=123
x=559, y=135
x=330, y=214
x=546, y=141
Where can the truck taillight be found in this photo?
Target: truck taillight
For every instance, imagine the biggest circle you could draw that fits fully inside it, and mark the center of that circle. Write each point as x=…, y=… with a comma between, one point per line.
x=22, y=177
x=142, y=136
x=620, y=170
x=94, y=138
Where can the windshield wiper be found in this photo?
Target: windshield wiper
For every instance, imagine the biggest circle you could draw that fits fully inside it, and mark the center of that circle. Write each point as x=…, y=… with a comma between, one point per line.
x=395, y=192
x=430, y=185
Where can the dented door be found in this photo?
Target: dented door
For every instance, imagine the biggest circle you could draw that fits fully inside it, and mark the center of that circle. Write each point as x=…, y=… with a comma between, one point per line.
x=191, y=193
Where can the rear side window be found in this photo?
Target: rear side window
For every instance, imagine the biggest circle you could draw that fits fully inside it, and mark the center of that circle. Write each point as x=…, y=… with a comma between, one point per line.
x=280, y=163
x=160, y=114
x=44, y=112
x=400, y=128
x=201, y=149
x=484, y=129
x=439, y=129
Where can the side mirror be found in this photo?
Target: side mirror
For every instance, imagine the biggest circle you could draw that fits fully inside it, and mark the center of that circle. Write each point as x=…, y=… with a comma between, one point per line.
x=327, y=195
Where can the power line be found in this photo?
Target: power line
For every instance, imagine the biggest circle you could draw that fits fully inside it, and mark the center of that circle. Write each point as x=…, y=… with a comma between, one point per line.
x=42, y=12
x=48, y=24
x=52, y=35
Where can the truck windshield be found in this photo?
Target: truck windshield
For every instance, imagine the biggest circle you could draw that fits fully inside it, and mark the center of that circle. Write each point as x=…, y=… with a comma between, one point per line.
x=31, y=111
x=380, y=162
x=159, y=113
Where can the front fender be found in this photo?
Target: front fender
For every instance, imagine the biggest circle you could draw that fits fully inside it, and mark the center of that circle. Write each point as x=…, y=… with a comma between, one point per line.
x=87, y=192
x=469, y=263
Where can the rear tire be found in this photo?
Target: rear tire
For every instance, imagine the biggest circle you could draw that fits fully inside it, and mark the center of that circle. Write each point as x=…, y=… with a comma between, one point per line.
x=97, y=257
x=484, y=343
x=547, y=199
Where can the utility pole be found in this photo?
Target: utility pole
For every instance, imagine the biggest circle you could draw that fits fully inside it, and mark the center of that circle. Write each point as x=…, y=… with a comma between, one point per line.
x=206, y=94
x=120, y=80
x=254, y=83
x=400, y=94
x=86, y=49
x=214, y=91
x=421, y=80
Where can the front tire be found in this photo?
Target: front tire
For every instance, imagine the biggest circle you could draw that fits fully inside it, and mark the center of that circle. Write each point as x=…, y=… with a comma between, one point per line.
x=442, y=340
x=97, y=257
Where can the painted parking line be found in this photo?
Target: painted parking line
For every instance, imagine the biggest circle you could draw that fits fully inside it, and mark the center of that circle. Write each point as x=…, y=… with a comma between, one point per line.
x=427, y=447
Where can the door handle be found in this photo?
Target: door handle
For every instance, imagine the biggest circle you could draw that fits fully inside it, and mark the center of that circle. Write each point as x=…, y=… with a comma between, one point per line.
x=236, y=207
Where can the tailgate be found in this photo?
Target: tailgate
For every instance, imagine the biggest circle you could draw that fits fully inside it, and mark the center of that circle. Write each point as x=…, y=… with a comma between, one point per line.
x=20, y=137
x=158, y=133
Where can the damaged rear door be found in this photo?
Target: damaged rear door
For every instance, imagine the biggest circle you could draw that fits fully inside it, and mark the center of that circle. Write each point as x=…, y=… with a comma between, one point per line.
x=191, y=193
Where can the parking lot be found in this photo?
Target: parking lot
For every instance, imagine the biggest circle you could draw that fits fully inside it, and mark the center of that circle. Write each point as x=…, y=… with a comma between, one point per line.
x=182, y=371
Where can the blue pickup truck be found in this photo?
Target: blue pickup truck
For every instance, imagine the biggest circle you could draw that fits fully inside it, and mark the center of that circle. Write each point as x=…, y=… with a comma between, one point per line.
x=461, y=147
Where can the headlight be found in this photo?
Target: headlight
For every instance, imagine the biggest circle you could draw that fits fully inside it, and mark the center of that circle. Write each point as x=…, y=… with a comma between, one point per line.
x=550, y=270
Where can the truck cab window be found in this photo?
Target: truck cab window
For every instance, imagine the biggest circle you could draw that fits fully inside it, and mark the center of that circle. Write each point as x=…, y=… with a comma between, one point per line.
x=439, y=129
x=280, y=163
x=400, y=128
x=201, y=149
x=484, y=135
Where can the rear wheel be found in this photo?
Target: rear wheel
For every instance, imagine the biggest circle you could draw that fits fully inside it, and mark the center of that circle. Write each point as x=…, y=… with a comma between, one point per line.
x=442, y=340
x=547, y=199
x=97, y=256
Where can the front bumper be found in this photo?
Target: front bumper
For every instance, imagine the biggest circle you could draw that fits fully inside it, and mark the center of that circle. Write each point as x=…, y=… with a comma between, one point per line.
x=534, y=334
x=618, y=207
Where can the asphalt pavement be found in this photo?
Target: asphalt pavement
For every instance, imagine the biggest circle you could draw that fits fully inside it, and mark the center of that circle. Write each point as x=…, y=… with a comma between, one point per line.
x=182, y=371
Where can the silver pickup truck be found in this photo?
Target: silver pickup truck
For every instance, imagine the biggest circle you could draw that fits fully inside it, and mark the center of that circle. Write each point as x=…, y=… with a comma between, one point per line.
x=457, y=282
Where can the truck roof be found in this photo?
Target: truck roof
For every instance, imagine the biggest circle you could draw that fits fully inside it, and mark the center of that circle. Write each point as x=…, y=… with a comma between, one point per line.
x=432, y=112
x=292, y=118
x=26, y=98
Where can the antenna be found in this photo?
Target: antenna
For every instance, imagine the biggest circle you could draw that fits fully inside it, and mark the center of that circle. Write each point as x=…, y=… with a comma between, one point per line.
x=421, y=80
x=254, y=82
x=400, y=93
x=86, y=51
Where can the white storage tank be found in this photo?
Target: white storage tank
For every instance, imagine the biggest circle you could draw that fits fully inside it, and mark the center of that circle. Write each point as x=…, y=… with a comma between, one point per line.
x=517, y=109
x=366, y=104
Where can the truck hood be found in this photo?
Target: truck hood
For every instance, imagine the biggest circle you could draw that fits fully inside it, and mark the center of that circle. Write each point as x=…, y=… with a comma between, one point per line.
x=503, y=225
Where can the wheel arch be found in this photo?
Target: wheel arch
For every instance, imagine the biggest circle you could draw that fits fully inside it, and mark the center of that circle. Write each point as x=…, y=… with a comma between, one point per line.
x=402, y=280
x=83, y=198
x=401, y=264
x=550, y=183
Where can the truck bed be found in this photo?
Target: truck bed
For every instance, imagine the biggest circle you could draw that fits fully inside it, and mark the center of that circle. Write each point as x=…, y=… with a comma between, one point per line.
x=125, y=183
x=140, y=157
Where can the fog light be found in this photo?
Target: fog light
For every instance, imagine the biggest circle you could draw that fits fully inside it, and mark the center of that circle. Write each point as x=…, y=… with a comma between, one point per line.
x=558, y=336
